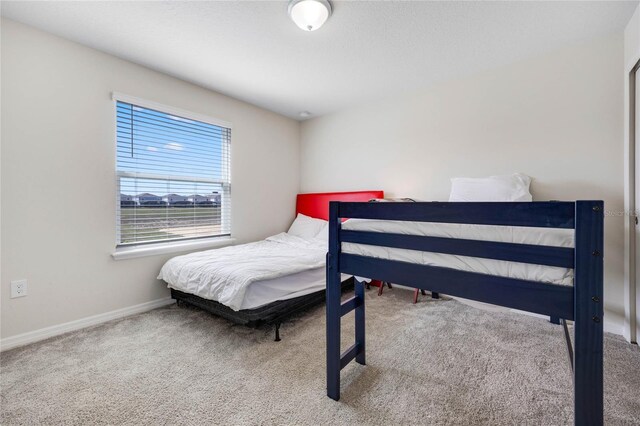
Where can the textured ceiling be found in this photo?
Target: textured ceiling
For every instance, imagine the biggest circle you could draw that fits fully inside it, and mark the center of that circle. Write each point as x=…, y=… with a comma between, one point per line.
x=366, y=50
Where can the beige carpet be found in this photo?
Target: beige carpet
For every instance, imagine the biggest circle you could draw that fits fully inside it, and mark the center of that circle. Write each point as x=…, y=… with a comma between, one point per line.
x=437, y=362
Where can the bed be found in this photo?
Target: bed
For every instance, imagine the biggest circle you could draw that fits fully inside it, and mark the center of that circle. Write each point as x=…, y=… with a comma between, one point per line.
x=539, y=257
x=264, y=282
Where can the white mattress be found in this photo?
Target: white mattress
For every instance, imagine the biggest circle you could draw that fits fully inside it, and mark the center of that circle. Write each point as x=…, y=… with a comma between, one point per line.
x=261, y=293
x=508, y=234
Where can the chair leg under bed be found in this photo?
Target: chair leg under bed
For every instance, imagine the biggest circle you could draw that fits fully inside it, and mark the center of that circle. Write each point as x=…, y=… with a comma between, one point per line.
x=381, y=288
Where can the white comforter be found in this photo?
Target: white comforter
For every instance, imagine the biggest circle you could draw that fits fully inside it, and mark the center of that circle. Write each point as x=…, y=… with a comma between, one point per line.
x=225, y=274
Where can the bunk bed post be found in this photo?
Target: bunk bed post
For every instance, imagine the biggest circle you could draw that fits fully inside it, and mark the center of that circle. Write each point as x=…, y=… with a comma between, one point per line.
x=333, y=304
x=359, y=293
x=588, y=311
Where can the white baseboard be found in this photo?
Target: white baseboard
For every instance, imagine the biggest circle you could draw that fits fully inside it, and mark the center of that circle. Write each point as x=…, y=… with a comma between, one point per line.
x=56, y=330
x=612, y=327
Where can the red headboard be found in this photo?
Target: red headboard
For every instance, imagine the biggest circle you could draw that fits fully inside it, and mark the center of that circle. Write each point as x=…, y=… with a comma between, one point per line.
x=317, y=205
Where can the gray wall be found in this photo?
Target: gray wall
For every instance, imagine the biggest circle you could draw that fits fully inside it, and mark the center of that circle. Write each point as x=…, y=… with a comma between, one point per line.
x=58, y=147
x=557, y=118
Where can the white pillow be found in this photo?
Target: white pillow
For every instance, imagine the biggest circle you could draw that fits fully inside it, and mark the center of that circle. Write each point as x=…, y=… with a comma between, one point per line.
x=513, y=187
x=323, y=234
x=306, y=227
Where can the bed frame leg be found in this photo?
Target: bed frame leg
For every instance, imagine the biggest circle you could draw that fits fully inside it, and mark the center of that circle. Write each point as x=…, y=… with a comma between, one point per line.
x=588, y=311
x=333, y=304
x=360, y=324
x=554, y=320
x=333, y=337
x=435, y=295
x=277, y=339
x=588, y=374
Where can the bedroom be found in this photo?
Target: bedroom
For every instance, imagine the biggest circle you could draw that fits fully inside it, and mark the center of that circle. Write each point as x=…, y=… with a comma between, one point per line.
x=399, y=97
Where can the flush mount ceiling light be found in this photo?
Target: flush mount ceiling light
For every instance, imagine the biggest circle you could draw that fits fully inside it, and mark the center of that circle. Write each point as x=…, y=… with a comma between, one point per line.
x=309, y=15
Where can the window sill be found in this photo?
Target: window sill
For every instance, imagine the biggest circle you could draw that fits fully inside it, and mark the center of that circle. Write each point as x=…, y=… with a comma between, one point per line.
x=123, y=253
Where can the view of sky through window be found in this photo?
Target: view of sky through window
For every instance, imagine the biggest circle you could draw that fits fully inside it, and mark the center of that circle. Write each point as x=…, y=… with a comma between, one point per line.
x=165, y=149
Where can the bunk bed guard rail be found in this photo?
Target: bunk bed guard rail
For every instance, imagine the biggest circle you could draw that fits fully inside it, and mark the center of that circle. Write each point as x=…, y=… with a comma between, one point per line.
x=582, y=303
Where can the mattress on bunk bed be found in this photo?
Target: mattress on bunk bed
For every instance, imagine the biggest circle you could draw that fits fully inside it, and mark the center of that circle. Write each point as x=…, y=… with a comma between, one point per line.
x=508, y=234
x=251, y=275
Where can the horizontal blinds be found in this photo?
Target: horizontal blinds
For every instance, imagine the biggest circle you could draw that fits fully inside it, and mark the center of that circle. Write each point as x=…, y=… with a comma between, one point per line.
x=173, y=177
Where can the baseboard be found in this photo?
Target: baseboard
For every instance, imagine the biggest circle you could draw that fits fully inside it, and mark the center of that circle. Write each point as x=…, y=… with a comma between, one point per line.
x=56, y=330
x=610, y=326
x=613, y=327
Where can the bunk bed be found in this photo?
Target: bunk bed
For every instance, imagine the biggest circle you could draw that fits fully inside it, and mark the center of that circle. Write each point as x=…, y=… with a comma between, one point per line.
x=581, y=301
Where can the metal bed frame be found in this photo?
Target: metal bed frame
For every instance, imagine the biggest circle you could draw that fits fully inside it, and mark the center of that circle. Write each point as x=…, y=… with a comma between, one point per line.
x=581, y=303
x=275, y=313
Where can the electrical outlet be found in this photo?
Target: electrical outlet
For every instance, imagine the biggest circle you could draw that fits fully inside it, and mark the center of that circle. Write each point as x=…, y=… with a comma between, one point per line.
x=18, y=288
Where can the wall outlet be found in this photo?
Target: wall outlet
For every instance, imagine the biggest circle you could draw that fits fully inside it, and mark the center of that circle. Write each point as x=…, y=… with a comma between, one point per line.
x=18, y=288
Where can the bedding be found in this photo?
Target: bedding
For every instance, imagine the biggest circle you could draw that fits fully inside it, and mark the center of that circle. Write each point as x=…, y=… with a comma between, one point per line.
x=227, y=274
x=306, y=227
x=323, y=234
x=508, y=234
x=514, y=187
x=263, y=292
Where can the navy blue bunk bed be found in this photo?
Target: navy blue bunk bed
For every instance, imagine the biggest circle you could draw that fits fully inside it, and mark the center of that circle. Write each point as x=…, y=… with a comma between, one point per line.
x=581, y=303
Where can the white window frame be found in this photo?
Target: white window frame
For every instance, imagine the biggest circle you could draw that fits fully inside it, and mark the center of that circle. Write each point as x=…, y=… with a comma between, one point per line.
x=166, y=247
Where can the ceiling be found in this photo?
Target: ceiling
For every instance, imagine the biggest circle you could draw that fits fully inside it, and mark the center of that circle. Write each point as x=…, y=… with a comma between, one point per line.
x=252, y=51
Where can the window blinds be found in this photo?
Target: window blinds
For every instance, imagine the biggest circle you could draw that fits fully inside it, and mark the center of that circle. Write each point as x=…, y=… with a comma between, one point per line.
x=173, y=177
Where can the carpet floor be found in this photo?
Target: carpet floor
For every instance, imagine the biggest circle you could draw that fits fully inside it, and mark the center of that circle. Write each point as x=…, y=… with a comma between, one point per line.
x=438, y=362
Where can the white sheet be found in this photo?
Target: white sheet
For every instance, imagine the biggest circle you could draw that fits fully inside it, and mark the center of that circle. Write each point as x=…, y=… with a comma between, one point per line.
x=509, y=234
x=261, y=293
x=225, y=274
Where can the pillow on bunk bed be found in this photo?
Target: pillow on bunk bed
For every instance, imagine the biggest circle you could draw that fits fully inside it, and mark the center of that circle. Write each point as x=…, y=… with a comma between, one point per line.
x=306, y=227
x=513, y=187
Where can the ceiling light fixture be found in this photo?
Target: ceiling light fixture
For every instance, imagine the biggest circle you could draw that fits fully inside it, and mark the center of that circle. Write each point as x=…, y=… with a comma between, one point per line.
x=309, y=15
x=305, y=114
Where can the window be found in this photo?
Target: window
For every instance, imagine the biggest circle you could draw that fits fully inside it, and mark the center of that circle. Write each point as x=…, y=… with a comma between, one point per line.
x=173, y=175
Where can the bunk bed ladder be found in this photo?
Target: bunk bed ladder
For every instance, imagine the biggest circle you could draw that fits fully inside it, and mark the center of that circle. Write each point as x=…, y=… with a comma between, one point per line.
x=336, y=361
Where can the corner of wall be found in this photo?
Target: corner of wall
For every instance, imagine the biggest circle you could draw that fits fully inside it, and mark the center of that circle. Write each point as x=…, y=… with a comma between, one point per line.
x=631, y=294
